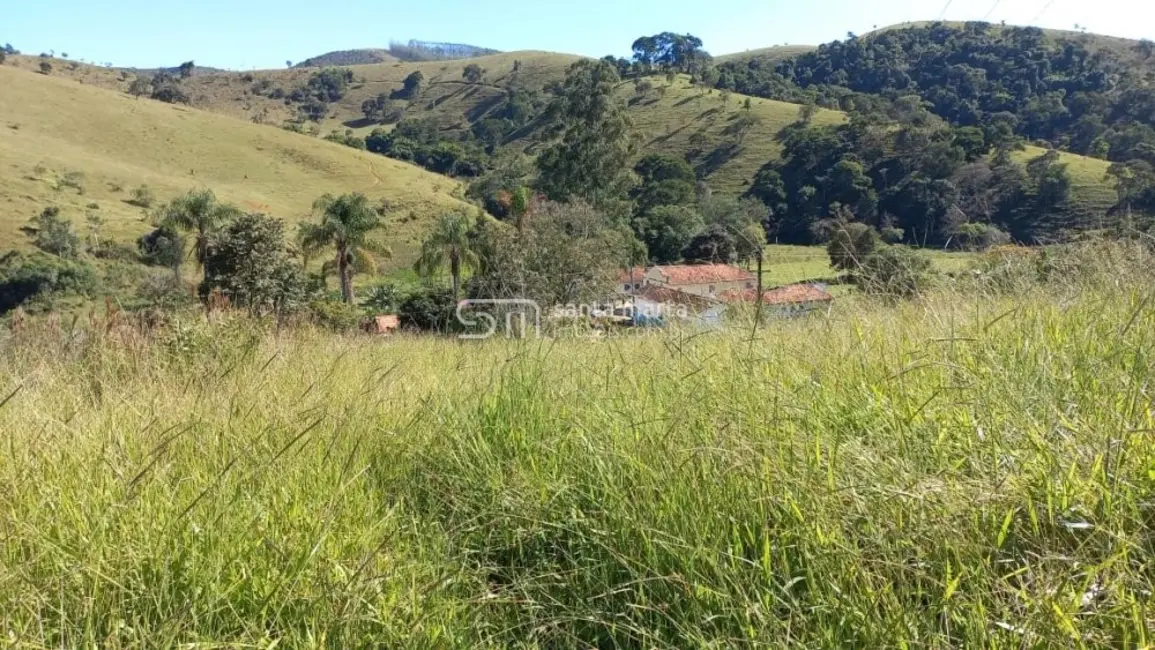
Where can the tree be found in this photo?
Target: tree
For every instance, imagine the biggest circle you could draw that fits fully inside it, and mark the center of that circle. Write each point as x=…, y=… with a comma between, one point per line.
x=45, y=67
x=163, y=246
x=894, y=272
x=589, y=160
x=199, y=213
x=346, y=222
x=663, y=180
x=449, y=245
x=250, y=265
x=54, y=234
x=714, y=245
x=473, y=73
x=329, y=85
x=850, y=244
x=186, y=69
x=667, y=230
x=412, y=85
x=567, y=254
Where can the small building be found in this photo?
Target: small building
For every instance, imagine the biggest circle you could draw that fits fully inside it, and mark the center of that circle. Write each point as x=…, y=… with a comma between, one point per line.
x=789, y=300
x=708, y=280
x=698, y=279
x=383, y=325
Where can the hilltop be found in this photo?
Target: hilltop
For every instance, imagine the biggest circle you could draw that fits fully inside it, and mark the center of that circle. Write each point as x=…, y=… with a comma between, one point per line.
x=53, y=128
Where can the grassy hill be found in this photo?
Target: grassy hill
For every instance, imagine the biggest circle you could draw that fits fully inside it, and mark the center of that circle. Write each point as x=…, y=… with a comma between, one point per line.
x=52, y=127
x=366, y=56
x=773, y=53
x=673, y=117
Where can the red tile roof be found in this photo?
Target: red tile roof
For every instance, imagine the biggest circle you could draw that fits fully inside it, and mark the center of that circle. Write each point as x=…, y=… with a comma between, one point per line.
x=703, y=274
x=666, y=295
x=639, y=275
x=794, y=294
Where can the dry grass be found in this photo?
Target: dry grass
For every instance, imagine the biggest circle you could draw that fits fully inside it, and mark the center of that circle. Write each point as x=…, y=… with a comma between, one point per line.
x=52, y=127
x=972, y=469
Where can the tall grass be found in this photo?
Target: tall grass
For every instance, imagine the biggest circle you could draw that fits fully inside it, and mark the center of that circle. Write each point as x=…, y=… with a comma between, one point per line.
x=970, y=469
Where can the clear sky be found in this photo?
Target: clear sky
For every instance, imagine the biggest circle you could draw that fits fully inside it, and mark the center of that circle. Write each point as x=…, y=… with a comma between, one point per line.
x=244, y=34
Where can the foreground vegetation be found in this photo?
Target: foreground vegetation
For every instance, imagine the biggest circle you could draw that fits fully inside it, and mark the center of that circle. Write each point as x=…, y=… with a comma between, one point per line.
x=969, y=469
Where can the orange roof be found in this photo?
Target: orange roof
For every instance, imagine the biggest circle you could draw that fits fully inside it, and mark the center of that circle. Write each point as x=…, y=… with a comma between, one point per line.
x=639, y=275
x=666, y=295
x=703, y=274
x=794, y=294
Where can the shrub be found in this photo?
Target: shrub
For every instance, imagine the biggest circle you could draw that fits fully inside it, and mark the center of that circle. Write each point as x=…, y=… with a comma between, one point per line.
x=980, y=236
x=892, y=234
x=142, y=197
x=74, y=180
x=45, y=67
x=894, y=271
x=55, y=235
x=335, y=315
x=169, y=93
x=164, y=292
x=40, y=277
x=430, y=309
x=850, y=244
x=383, y=299
x=161, y=247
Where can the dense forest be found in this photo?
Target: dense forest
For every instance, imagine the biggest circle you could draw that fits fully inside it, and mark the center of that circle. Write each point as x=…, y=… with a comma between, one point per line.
x=1091, y=101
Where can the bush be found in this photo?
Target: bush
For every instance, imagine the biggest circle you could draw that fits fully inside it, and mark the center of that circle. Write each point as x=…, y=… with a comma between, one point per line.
x=894, y=271
x=979, y=237
x=55, y=235
x=335, y=315
x=430, y=309
x=74, y=180
x=892, y=234
x=40, y=277
x=170, y=93
x=142, y=197
x=112, y=250
x=850, y=244
x=383, y=299
x=164, y=292
x=161, y=247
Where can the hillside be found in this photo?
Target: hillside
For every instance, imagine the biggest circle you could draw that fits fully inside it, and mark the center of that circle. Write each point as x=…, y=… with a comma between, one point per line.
x=52, y=127
x=724, y=145
x=366, y=56
x=774, y=53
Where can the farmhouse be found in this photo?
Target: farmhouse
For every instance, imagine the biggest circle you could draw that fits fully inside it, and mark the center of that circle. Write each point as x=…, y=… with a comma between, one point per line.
x=706, y=280
x=788, y=300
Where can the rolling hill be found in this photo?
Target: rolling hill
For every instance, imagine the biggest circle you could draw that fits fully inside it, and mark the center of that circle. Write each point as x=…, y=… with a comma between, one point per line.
x=52, y=128
x=725, y=142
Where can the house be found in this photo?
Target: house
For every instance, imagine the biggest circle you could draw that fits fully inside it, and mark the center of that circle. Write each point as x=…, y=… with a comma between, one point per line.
x=383, y=325
x=697, y=279
x=631, y=280
x=785, y=301
x=707, y=280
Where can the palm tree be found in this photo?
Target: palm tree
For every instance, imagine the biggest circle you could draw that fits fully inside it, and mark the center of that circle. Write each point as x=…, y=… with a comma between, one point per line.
x=200, y=213
x=449, y=243
x=346, y=222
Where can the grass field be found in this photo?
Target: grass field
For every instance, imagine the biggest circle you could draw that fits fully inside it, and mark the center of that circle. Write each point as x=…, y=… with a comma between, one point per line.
x=967, y=470
x=51, y=127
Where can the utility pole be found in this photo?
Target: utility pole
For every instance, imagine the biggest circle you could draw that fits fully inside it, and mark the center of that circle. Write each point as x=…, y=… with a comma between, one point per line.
x=758, y=299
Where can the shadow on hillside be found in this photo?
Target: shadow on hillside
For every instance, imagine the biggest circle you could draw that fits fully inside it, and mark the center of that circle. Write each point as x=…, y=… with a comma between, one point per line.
x=714, y=160
x=358, y=123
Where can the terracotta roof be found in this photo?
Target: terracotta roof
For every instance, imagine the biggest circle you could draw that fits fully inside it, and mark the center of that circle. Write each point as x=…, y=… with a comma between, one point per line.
x=639, y=275
x=703, y=274
x=666, y=295
x=794, y=294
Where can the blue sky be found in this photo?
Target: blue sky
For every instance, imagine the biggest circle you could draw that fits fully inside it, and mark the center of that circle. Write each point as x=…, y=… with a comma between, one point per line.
x=245, y=34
